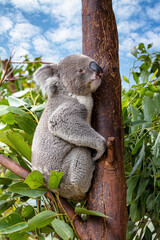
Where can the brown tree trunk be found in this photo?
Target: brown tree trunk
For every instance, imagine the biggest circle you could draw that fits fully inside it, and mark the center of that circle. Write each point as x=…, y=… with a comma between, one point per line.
x=108, y=192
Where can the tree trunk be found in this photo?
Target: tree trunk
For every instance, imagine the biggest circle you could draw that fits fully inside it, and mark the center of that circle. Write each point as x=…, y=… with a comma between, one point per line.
x=108, y=191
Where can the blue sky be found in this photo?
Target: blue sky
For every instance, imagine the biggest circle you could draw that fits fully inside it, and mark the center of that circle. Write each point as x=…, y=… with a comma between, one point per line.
x=52, y=28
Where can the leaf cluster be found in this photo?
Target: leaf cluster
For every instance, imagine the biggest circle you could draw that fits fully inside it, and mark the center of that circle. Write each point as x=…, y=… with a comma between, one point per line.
x=141, y=117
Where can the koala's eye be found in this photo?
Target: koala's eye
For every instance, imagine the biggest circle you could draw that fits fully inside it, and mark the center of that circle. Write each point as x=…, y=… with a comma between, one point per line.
x=80, y=70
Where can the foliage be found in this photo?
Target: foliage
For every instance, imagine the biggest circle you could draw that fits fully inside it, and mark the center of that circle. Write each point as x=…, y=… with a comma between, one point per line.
x=25, y=212
x=20, y=216
x=141, y=116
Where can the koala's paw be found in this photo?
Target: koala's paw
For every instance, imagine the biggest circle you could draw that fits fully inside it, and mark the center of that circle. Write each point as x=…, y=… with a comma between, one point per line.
x=102, y=145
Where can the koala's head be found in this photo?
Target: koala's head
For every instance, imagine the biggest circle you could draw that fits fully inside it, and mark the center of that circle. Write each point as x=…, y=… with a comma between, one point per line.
x=77, y=74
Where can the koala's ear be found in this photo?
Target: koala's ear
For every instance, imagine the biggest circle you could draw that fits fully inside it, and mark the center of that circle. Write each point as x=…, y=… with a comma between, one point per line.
x=47, y=77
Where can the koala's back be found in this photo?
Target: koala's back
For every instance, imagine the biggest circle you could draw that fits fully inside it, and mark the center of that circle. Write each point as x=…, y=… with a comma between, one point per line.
x=48, y=151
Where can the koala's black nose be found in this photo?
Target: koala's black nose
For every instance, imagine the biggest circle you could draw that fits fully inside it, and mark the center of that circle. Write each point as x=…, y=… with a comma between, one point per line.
x=96, y=68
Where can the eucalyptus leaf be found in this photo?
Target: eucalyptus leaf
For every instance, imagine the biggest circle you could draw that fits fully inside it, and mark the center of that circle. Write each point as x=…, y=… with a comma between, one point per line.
x=17, y=111
x=26, y=123
x=134, y=51
x=5, y=181
x=8, y=118
x=3, y=109
x=28, y=211
x=125, y=79
x=136, y=77
x=12, y=223
x=142, y=186
x=154, y=74
x=156, y=101
x=138, y=144
x=20, y=93
x=15, y=102
x=23, y=189
x=4, y=205
x=141, y=156
x=16, y=141
x=79, y=210
x=38, y=108
x=135, y=211
x=34, y=179
x=139, y=122
x=55, y=179
x=148, y=108
x=42, y=219
x=63, y=229
x=19, y=235
x=131, y=184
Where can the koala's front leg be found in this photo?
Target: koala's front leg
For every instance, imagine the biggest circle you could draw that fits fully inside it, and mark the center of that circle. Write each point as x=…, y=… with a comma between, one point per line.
x=69, y=123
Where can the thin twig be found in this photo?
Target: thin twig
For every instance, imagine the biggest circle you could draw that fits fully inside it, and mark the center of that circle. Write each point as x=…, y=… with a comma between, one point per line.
x=5, y=71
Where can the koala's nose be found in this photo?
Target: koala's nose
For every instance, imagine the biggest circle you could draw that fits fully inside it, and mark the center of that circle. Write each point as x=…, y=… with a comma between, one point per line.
x=96, y=68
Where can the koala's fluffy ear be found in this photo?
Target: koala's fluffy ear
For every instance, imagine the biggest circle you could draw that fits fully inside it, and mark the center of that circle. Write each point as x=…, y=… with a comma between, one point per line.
x=47, y=78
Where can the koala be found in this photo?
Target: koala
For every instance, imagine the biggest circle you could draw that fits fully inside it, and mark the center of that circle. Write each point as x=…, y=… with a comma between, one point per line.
x=64, y=140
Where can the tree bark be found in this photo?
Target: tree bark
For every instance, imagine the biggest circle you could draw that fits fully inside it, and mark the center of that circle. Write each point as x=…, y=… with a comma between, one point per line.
x=108, y=191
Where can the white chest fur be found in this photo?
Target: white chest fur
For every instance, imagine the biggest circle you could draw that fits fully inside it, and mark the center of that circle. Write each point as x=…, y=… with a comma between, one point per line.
x=87, y=101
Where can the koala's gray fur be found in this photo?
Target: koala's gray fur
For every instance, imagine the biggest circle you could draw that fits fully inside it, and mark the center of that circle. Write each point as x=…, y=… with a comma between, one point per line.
x=64, y=138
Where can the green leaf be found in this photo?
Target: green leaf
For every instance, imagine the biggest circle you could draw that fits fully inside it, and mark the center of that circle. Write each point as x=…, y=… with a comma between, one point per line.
x=3, y=109
x=42, y=219
x=18, y=235
x=142, y=186
x=148, y=108
x=136, y=77
x=125, y=79
x=150, y=202
x=134, y=51
x=15, y=102
x=4, y=205
x=16, y=141
x=154, y=74
x=20, y=93
x=17, y=111
x=34, y=179
x=135, y=211
x=139, y=122
x=131, y=184
x=27, y=211
x=150, y=45
x=141, y=157
x=38, y=107
x=148, y=234
x=79, y=210
x=26, y=123
x=5, y=196
x=55, y=179
x=156, y=101
x=154, y=88
x=138, y=144
x=63, y=229
x=8, y=118
x=40, y=237
x=12, y=223
x=144, y=73
x=5, y=181
x=23, y=189
x=141, y=46
x=149, y=94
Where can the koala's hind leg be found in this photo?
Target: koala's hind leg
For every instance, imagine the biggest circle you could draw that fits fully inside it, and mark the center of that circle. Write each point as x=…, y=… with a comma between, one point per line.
x=77, y=179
